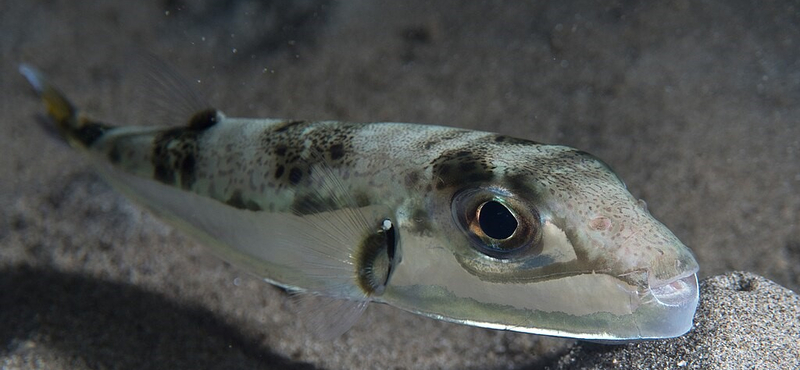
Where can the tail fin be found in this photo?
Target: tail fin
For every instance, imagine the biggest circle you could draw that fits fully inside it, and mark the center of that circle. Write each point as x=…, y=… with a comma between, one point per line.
x=76, y=130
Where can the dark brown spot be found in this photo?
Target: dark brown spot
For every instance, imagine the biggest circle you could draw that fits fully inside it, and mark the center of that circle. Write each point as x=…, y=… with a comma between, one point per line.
x=454, y=134
x=287, y=125
x=510, y=140
x=89, y=132
x=203, y=119
x=295, y=175
x=311, y=203
x=237, y=201
x=280, y=150
x=460, y=168
x=337, y=151
x=175, y=154
x=412, y=179
x=279, y=171
x=519, y=182
x=187, y=169
x=362, y=199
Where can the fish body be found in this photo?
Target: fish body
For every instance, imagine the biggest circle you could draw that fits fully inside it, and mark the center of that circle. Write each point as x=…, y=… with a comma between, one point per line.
x=464, y=226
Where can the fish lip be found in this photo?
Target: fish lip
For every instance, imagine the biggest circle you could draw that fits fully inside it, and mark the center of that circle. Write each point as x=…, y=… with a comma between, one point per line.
x=677, y=291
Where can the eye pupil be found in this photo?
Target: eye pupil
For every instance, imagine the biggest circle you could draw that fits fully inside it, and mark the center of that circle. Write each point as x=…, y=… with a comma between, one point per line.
x=496, y=221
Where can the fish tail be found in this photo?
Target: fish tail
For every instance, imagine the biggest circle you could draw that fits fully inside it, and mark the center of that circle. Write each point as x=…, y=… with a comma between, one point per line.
x=77, y=130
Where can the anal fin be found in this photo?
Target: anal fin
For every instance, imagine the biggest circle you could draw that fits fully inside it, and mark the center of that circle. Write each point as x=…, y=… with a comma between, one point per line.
x=327, y=317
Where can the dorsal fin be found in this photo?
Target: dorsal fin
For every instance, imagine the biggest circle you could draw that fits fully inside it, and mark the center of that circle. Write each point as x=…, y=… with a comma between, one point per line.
x=170, y=98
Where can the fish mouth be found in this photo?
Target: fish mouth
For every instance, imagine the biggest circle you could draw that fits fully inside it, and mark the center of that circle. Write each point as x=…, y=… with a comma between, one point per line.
x=677, y=291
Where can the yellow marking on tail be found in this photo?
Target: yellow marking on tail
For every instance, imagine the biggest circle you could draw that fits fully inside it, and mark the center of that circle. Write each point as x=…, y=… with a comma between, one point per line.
x=57, y=105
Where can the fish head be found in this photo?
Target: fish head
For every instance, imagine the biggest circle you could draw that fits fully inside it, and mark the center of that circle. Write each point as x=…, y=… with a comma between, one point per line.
x=545, y=240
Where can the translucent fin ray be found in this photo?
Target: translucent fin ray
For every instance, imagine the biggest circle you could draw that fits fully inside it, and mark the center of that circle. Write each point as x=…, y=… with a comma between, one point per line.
x=166, y=95
x=326, y=317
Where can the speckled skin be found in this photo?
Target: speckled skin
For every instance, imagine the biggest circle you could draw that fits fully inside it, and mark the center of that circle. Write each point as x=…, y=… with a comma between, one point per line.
x=303, y=204
x=266, y=165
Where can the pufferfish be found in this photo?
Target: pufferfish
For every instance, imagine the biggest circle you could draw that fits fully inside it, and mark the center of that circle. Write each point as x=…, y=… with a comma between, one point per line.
x=464, y=226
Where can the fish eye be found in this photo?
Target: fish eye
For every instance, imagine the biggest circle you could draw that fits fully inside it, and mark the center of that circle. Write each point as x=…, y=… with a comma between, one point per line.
x=496, y=220
x=498, y=225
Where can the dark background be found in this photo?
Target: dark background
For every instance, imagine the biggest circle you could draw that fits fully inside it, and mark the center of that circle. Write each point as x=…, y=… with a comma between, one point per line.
x=694, y=103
